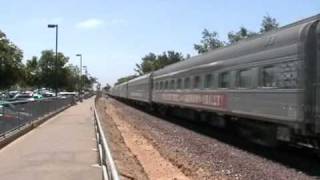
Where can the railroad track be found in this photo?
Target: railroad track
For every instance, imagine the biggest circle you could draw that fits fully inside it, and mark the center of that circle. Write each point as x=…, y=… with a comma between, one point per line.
x=206, y=145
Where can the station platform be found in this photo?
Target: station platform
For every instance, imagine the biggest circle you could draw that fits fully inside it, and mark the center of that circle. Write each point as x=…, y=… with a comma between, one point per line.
x=62, y=148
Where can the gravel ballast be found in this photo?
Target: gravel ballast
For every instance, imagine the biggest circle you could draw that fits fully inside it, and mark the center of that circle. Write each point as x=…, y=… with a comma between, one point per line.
x=200, y=156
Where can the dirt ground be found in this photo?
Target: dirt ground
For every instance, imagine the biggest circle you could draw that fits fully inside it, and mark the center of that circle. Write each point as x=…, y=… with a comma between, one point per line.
x=135, y=156
x=128, y=166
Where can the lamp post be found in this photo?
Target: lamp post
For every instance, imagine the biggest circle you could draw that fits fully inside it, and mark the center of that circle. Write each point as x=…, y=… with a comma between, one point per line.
x=80, y=88
x=86, y=70
x=56, y=63
x=86, y=74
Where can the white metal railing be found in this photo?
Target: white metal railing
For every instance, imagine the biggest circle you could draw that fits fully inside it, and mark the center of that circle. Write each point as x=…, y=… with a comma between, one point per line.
x=109, y=170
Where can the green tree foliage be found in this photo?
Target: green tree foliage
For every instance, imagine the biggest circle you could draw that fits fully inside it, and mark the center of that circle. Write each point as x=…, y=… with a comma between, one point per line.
x=88, y=82
x=107, y=87
x=268, y=24
x=148, y=64
x=208, y=42
x=243, y=33
x=167, y=58
x=42, y=73
x=152, y=62
x=32, y=72
x=52, y=72
x=72, y=78
x=11, y=66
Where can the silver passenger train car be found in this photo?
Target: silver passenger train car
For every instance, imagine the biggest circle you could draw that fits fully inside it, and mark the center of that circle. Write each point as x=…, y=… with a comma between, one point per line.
x=139, y=89
x=270, y=83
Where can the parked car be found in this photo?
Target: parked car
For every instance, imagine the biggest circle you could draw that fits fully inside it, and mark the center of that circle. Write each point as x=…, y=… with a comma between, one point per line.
x=3, y=96
x=13, y=93
x=44, y=92
x=64, y=95
x=7, y=111
x=11, y=117
x=48, y=94
x=25, y=96
x=37, y=96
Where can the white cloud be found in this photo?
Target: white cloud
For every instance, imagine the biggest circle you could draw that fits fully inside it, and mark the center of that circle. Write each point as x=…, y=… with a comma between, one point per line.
x=90, y=23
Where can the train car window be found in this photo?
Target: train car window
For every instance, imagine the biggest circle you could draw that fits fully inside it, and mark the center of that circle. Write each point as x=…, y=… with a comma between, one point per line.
x=208, y=82
x=166, y=85
x=288, y=75
x=187, y=83
x=172, y=84
x=269, y=76
x=245, y=78
x=196, y=82
x=157, y=86
x=179, y=84
x=161, y=84
x=224, y=80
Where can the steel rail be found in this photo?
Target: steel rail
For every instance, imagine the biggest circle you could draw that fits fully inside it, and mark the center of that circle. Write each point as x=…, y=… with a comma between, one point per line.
x=109, y=170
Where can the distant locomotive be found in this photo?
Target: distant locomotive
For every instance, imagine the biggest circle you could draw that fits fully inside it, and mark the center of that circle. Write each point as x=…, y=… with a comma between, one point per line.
x=269, y=84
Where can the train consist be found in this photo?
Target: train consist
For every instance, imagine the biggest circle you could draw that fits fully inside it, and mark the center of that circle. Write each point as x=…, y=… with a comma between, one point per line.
x=268, y=85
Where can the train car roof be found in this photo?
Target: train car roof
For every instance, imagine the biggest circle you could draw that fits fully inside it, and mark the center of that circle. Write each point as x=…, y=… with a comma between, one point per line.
x=237, y=49
x=121, y=84
x=140, y=77
x=145, y=76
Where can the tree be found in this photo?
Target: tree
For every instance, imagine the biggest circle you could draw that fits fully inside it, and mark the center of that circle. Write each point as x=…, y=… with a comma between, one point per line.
x=88, y=82
x=148, y=64
x=167, y=58
x=32, y=73
x=243, y=33
x=208, y=42
x=53, y=73
x=11, y=65
x=72, y=73
x=152, y=62
x=107, y=87
x=268, y=24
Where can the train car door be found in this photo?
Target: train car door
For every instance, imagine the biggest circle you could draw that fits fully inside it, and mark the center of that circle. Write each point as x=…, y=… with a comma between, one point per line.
x=312, y=77
x=317, y=49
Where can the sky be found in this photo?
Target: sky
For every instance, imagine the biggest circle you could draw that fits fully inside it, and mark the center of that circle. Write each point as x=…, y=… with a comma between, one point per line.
x=113, y=35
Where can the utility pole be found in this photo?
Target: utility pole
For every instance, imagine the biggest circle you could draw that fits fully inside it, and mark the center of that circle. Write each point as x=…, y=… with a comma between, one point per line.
x=56, y=62
x=80, y=89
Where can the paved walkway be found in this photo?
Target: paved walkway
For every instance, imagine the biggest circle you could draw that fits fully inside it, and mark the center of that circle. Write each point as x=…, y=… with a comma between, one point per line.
x=62, y=148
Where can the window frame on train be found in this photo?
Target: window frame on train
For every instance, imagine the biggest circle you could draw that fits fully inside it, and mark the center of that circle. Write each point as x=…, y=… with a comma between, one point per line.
x=239, y=78
x=262, y=81
x=196, y=83
x=187, y=83
x=208, y=82
x=161, y=85
x=172, y=84
x=179, y=83
x=221, y=79
x=166, y=84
